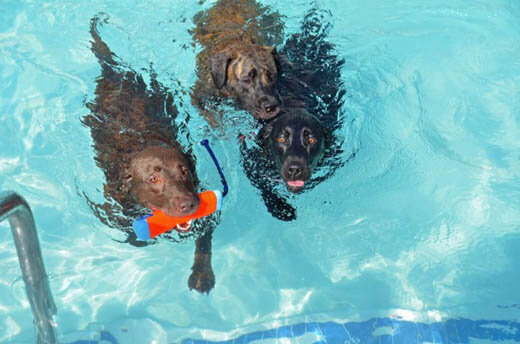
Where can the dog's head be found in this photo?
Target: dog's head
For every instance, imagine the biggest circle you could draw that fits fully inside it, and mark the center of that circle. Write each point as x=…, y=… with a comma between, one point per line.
x=161, y=178
x=249, y=73
x=296, y=141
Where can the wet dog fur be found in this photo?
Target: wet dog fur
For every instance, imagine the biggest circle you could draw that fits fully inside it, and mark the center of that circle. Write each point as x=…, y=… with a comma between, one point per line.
x=295, y=140
x=136, y=146
x=236, y=60
x=303, y=137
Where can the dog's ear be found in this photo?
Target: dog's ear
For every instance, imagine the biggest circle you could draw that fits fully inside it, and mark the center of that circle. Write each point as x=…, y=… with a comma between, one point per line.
x=125, y=180
x=265, y=132
x=219, y=65
x=282, y=62
x=276, y=58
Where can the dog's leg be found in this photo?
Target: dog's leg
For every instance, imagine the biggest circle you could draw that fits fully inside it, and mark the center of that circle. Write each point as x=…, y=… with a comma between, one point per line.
x=202, y=278
x=258, y=172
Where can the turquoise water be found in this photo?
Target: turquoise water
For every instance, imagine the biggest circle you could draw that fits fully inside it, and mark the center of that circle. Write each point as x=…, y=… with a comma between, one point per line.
x=423, y=225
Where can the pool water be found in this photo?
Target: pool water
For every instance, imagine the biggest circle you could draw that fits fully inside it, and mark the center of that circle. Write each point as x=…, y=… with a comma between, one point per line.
x=420, y=229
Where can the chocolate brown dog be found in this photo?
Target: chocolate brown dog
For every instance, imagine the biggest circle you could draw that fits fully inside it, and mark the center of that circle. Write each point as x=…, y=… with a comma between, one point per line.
x=136, y=146
x=236, y=61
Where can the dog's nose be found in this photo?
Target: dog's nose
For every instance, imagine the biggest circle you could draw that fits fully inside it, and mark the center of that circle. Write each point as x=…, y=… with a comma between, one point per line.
x=294, y=171
x=186, y=206
x=269, y=104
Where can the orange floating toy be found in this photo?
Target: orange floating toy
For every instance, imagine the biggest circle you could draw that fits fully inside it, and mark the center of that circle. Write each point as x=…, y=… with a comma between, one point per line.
x=157, y=223
x=154, y=224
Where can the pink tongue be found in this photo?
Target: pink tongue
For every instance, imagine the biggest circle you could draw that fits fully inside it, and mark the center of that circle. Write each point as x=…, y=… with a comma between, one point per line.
x=297, y=183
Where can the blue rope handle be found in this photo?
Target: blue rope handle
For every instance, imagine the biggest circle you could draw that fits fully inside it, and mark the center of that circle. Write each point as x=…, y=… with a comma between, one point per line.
x=205, y=143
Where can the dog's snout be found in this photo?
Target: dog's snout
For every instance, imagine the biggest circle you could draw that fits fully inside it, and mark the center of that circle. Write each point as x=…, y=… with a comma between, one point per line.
x=269, y=103
x=268, y=106
x=186, y=205
x=271, y=106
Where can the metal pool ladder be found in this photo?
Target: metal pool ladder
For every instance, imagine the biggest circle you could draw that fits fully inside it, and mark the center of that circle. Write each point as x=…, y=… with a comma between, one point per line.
x=15, y=208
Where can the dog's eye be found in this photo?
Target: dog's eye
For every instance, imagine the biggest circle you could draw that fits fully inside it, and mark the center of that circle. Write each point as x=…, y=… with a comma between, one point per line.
x=157, y=169
x=153, y=179
x=250, y=76
x=281, y=139
x=312, y=140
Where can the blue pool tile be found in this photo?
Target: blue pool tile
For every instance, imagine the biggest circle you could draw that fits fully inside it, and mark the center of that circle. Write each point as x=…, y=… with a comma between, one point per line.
x=269, y=333
x=240, y=340
x=438, y=333
x=454, y=331
x=424, y=333
x=254, y=336
x=194, y=341
x=104, y=336
x=298, y=329
x=107, y=336
x=497, y=330
x=361, y=332
x=405, y=332
x=284, y=332
x=312, y=327
x=333, y=333
x=385, y=339
x=464, y=329
x=484, y=332
x=380, y=322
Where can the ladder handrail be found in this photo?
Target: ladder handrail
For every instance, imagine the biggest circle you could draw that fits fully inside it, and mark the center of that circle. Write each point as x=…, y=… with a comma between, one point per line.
x=15, y=208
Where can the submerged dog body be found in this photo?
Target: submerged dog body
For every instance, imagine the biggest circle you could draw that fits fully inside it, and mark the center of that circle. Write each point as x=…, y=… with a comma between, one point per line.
x=136, y=146
x=236, y=60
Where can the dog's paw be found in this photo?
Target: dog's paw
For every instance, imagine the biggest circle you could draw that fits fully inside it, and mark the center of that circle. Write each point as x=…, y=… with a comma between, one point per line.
x=202, y=280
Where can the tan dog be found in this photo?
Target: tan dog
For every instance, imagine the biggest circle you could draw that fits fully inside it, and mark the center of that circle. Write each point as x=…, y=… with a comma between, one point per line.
x=235, y=60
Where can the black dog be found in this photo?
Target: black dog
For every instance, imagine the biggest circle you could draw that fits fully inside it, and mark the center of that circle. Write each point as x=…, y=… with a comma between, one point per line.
x=296, y=142
x=136, y=145
x=302, y=138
